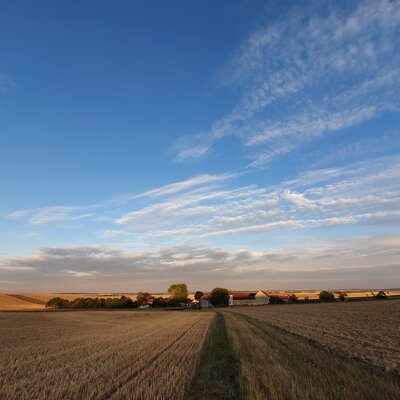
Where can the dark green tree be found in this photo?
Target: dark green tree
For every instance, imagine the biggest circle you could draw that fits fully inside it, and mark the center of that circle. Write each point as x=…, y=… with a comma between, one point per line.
x=57, y=303
x=293, y=298
x=219, y=297
x=326, y=296
x=275, y=300
x=198, y=295
x=159, y=302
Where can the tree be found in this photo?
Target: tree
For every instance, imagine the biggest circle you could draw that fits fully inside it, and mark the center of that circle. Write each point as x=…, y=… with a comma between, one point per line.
x=326, y=296
x=293, y=298
x=142, y=297
x=381, y=295
x=179, y=292
x=219, y=297
x=159, y=302
x=198, y=295
x=173, y=302
x=58, y=303
x=275, y=300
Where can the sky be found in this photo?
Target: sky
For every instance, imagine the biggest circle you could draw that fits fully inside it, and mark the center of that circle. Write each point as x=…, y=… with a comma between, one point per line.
x=239, y=144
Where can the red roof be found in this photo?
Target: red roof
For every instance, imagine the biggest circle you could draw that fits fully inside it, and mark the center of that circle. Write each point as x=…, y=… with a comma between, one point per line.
x=237, y=295
x=243, y=295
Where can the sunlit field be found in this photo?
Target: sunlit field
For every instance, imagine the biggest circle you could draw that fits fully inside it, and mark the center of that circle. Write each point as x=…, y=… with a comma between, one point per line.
x=299, y=351
x=99, y=355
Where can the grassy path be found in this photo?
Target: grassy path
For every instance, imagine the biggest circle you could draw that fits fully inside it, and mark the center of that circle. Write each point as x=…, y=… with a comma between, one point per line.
x=217, y=371
x=244, y=358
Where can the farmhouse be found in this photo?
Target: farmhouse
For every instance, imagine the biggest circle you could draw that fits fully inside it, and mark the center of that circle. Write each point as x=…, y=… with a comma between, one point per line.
x=241, y=298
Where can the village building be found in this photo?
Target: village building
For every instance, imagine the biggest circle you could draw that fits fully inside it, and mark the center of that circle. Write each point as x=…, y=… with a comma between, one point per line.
x=240, y=298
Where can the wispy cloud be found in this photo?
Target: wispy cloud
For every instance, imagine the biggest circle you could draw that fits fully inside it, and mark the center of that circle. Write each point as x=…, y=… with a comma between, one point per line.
x=52, y=215
x=66, y=215
x=359, y=193
x=284, y=72
x=208, y=206
x=184, y=185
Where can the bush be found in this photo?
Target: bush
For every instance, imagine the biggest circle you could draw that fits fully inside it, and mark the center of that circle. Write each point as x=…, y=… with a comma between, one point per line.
x=95, y=302
x=159, y=302
x=87, y=302
x=326, y=296
x=174, y=302
x=275, y=300
x=58, y=303
x=381, y=295
x=92, y=302
x=122, y=302
x=293, y=298
x=219, y=297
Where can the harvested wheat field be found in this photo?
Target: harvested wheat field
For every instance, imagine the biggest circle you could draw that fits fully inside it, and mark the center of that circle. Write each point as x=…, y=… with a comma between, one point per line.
x=274, y=364
x=9, y=302
x=99, y=354
x=368, y=331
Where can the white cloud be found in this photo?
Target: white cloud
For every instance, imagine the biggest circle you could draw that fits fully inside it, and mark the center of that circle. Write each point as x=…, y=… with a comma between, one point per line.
x=209, y=206
x=364, y=192
x=176, y=187
x=18, y=214
x=114, y=233
x=81, y=274
x=284, y=70
x=298, y=198
x=192, y=146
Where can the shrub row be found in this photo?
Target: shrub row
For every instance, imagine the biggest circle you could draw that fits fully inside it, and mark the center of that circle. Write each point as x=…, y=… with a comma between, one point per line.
x=91, y=302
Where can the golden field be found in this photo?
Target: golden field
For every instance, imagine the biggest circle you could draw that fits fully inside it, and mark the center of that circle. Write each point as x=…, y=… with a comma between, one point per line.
x=99, y=355
x=334, y=351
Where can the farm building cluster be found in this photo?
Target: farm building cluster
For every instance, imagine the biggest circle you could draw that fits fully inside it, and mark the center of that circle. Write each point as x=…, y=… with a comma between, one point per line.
x=236, y=298
x=245, y=298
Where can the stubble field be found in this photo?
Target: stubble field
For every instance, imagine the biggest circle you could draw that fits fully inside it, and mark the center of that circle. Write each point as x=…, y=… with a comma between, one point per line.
x=312, y=351
x=99, y=355
x=368, y=331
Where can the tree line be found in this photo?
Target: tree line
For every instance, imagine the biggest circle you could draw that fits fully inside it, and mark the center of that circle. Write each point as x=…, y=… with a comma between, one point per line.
x=91, y=302
x=178, y=297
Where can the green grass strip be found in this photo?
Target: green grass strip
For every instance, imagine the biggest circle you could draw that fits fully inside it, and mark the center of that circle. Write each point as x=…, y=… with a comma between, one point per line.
x=217, y=370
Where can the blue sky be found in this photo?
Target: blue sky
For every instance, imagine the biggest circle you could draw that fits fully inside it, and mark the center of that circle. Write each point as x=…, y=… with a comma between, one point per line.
x=226, y=143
